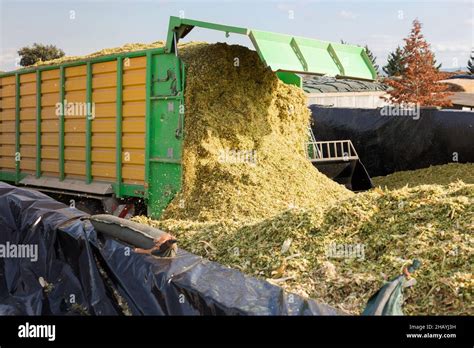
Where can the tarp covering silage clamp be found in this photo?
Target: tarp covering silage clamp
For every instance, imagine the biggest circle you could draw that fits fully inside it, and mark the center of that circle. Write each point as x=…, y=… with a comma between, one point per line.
x=78, y=272
x=387, y=144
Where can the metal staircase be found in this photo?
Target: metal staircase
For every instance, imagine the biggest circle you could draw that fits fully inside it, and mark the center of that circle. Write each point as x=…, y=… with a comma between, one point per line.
x=338, y=159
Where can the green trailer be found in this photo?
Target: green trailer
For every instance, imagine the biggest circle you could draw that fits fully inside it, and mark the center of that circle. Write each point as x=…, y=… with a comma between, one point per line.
x=130, y=147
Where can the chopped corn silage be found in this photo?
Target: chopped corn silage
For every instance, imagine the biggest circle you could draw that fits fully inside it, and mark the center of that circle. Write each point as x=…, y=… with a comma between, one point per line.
x=293, y=248
x=279, y=219
x=245, y=132
x=385, y=230
x=130, y=47
x=440, y=174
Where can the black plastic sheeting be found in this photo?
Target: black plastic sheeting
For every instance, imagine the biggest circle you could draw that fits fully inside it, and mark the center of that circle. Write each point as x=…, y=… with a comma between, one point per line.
x=388, y=144
x=69, y=252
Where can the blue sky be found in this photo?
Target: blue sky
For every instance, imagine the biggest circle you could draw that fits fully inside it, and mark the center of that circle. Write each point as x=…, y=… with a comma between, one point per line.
x=82, y=27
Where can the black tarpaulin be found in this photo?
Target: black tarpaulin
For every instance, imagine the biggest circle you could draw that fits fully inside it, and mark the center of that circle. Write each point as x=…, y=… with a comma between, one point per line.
x=388, y=144
x=78, y=272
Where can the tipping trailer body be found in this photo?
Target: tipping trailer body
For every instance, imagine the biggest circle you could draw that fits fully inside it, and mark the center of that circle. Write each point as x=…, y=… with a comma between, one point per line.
x=113, y=125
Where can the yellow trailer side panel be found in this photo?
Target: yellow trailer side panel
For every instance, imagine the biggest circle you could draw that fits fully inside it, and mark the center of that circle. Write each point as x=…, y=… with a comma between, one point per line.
x=8, y=139
x=50, y=123
x=75, y=115
x=8, y=103
x=28, y=123
x=133, y=125
x=103, y=121
x=104, y=96
x=7, y=123
x=7, y=127
x=75, y=71
x=8, y=87
x=7, y=163
x=6, y=150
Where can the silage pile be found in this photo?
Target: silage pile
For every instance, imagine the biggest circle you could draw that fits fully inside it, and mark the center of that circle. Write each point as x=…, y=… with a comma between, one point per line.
x=272, y=215
x=245, y=132
x=440, y=174
x=130, y=47
x=296, y=249
x=279, y=219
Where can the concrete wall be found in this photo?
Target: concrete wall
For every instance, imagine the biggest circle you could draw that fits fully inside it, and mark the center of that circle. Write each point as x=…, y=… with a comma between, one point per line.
x=366, y=100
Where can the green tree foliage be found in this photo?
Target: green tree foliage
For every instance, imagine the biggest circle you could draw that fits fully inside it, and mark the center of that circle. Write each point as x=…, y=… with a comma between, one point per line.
x=470, y=64
x=395, y=64
x=373, y=58
x=38, y=52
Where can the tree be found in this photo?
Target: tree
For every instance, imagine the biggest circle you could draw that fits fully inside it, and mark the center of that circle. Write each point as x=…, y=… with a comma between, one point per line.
x=373, y=58
x=394, y=65
x=38, y=52
x=419, y=80
x=470, y=64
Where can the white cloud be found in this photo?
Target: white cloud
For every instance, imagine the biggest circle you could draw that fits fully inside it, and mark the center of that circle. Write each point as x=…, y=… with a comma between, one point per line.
x=453, y=54
x=451, y=47
x=348, y=14
x=285, y=7
x=8, y=59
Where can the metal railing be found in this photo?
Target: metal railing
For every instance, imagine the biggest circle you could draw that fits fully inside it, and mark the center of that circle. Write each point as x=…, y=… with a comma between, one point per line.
x=331, y=151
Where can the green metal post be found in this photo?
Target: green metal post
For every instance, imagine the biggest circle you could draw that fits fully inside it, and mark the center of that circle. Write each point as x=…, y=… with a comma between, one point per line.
x=147, y=118
x=89, y=124
x=61, y=123
x=118, y=131
x=17, y=128
x=38, y=123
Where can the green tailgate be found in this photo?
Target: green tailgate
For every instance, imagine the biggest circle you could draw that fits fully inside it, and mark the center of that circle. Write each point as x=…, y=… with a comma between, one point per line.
x=165, y=122
x=286, y=53
x=302, y=55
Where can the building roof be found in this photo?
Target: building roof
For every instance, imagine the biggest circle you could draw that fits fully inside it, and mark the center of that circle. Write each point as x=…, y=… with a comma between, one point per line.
x=467, y=85
x=463, y=99
x=325, y=84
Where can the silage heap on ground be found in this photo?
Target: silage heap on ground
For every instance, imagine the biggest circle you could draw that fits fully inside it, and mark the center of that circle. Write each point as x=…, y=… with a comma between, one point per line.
x=440, y=174
x=276, y=219
x=252, y=229
x=245, y=132
x=381, y=231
